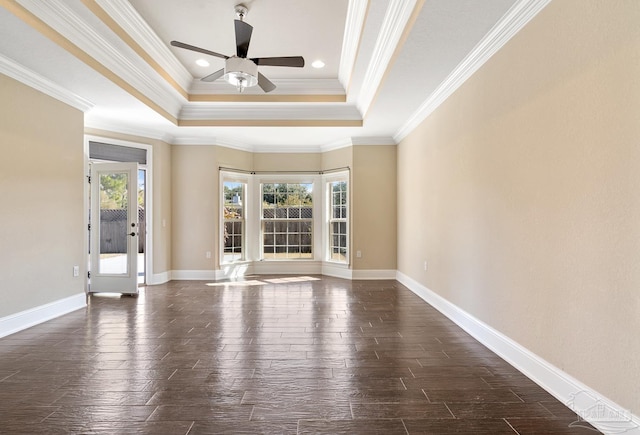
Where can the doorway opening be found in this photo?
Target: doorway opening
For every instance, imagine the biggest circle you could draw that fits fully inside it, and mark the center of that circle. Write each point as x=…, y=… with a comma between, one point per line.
x=118, y=238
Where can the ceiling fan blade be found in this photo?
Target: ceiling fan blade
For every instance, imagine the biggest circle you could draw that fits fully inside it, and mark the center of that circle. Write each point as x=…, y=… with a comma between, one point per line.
x=265, y=83
x=198, y=49
x=293, y=61
x=214, y=76
x=243, y=38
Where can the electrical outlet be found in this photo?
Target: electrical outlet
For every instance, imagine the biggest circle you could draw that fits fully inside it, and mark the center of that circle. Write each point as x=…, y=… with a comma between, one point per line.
x=76, y=270
x=359, y=254
x=425, y=264
x=207, y=254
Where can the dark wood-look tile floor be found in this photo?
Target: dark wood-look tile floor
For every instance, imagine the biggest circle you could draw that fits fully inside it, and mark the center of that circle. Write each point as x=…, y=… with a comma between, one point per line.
x=267, y=355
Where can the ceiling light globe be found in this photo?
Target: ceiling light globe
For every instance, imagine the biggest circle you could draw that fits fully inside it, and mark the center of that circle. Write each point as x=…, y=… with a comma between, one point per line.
x=240, y=80
x=241, y=73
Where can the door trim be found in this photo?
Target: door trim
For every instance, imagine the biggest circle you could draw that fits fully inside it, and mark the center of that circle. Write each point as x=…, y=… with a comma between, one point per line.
x=149, y=209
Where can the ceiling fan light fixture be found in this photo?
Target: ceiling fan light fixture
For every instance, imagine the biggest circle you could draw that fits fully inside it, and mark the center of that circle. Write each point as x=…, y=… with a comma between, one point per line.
x=241, y=73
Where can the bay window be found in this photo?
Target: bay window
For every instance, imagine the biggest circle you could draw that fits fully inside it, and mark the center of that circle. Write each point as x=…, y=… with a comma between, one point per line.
x=287, y=221
x=284, y=217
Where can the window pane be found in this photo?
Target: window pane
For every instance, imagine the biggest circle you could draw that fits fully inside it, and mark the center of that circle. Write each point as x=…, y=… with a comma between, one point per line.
x=233, y=216
x=338, y=236
x=268, y=188
x=305, y=239
x=306, y=212
x=289, y=206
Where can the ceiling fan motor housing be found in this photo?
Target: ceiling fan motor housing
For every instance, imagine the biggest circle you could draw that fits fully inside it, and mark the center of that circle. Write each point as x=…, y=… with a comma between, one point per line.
x=242, y=73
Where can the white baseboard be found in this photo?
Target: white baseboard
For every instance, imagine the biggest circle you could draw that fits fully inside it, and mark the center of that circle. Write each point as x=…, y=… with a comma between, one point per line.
x=337, y=270
x=194, y=275
x=287, y=267
x=235, y=270
x=159, y=278
x=238, y=270
x=33, y=316
x=374, y=274
x=590, y=406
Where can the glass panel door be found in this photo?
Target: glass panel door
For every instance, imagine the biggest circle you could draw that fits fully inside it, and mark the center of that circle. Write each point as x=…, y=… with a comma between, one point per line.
x=114, y=228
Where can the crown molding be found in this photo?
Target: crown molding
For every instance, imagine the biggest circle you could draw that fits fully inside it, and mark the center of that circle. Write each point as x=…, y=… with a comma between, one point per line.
x=258, y=149
x=398, y=15
x=282, y=149
x=284, y=87
x=509, y=25
x=235, y=144
x=358, y=141
x=194, y=140
x=131, y=131
x=130, y=21
x=18, y=72
x=131, y=70
x=356, y=16
x=336, y=145
x=194, y=111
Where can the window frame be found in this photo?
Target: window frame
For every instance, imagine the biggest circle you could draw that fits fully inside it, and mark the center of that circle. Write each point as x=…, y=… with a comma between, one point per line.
x=253, y=248
x=316, y=208
x=328, y=179
x=331, y=220
x=229, y=177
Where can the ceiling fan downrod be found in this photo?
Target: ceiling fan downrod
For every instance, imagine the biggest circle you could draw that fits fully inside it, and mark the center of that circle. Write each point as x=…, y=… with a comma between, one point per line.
x=241, y=11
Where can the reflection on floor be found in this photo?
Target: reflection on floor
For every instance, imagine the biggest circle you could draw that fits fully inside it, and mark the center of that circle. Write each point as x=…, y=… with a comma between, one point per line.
x=272, y=355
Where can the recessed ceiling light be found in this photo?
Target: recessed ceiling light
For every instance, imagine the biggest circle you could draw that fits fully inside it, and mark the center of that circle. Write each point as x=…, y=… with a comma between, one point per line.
x=202, y=62
x=318, y=64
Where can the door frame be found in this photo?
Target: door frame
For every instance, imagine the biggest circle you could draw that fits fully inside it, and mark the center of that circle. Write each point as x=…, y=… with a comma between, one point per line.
x=122, y=281
x=148, y=215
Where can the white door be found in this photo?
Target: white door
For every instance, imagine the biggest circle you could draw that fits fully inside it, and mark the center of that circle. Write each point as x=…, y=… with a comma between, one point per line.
x=114, y=228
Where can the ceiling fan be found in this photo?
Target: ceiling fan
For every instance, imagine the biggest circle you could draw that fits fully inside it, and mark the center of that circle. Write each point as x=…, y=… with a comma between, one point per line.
x=240, y=71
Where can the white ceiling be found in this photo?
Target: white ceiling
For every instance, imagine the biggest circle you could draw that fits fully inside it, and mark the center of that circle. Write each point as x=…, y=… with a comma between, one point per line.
x=388, y=64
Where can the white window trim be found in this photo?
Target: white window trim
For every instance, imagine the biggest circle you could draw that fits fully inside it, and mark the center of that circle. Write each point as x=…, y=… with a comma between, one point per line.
x=327, y=180
x=253, y=219
x=234, y=177
x=314, y=179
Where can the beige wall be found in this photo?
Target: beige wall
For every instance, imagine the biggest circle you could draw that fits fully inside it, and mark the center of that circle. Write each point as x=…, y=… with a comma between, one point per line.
x=287, y=161
x=195, y=196
x=41, y=192
x=522, y=192
x=373, y=207
x=161, y=201
x=337, y=159
x=194, y=177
